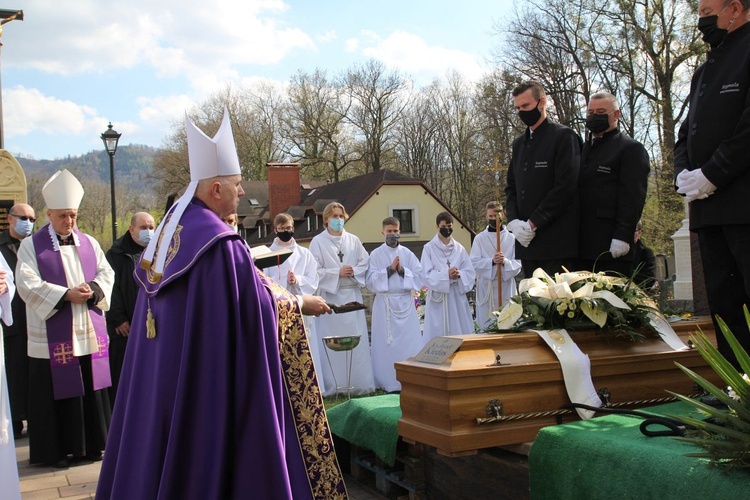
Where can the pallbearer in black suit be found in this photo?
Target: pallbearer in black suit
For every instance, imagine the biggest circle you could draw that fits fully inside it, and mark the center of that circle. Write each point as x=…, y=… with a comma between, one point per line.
x=611, y=188
x=542, y=198
x=712, y=161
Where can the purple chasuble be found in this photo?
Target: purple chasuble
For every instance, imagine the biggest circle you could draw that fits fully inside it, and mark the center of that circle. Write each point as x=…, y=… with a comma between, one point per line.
x=67, y=381
x=218, y=404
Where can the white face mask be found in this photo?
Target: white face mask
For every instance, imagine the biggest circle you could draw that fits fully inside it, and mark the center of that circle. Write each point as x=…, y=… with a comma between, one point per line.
x=234, y=228
x=24, y=227
x=145, y=235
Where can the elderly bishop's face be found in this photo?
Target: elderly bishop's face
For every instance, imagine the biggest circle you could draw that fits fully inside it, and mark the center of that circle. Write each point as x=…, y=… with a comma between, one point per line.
x=63, y=220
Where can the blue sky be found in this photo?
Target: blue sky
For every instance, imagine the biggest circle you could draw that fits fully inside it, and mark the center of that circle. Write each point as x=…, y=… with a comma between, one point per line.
x=70, y=67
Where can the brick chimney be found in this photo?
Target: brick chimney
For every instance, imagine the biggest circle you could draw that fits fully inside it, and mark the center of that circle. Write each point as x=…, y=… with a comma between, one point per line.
x=284, y=189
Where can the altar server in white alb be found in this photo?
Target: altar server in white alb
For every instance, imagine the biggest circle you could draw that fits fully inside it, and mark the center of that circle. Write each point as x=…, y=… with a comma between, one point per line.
x=342, y=266
x=66, y=282
x=488, y=260
x=449, y=276
x=393, y=274
x=299, y=275
x=8, y=467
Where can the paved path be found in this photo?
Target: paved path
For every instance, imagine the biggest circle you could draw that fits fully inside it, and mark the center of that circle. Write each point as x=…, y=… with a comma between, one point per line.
x=38, y=482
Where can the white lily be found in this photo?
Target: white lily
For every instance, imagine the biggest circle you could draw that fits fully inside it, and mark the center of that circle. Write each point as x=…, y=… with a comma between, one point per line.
x=508, y=316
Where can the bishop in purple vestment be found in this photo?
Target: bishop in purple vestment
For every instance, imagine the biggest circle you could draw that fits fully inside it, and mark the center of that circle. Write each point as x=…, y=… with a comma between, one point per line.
x=218, y=396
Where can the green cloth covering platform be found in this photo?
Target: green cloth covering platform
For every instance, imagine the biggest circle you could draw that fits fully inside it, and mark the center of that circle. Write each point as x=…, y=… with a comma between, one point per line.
x=370, y=423
x=609, y=457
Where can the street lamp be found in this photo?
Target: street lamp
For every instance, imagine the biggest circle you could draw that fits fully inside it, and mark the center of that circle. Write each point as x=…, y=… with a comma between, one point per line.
x=111, y=138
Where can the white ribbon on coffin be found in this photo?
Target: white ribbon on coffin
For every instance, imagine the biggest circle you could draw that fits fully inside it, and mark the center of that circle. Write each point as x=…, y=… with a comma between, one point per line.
x=576, y=368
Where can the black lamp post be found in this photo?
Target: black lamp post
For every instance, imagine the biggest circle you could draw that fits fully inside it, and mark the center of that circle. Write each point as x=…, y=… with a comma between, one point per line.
x=111, y=138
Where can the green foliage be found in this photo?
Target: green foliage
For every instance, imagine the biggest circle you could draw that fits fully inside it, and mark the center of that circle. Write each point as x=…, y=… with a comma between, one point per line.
x=725, y=435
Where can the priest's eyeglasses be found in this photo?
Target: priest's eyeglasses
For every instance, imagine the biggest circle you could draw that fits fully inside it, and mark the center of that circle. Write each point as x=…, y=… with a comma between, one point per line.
x=24, y=217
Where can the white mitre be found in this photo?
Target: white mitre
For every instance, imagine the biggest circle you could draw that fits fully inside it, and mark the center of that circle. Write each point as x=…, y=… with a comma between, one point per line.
x=208, y=158
x=62, y=191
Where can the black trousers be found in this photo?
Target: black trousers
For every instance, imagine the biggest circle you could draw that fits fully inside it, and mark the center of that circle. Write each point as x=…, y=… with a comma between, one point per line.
x=617, y=267
x=17, y=370
x=73, y=426
x=725, y=252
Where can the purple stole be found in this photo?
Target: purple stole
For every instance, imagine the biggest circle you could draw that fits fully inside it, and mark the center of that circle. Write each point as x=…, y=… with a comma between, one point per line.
x=67, y=381
x=306, y=405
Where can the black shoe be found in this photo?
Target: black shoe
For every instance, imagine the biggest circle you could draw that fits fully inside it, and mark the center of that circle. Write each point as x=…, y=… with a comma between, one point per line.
x=18, y=429
x=63, y=463
x=94, y=456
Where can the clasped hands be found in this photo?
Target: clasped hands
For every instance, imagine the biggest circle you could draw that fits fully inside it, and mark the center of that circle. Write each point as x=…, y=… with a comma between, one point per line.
x=79, y=294
x=522, y=230
x=498, y=258
x=346, y=271
x=694, y=185
x=396, y=265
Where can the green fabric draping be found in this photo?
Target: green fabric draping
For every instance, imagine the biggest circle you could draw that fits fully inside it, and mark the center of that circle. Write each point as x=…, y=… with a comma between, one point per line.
x=608, y=457
x=370, y=423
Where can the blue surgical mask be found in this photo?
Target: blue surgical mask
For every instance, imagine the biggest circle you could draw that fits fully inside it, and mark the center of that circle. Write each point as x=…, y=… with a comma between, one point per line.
x=24, y=227
x=336, y=224
x=145, y=235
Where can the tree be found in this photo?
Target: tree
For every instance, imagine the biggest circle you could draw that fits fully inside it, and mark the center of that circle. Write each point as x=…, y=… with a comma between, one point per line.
x=376, y=100
x=417, y=146
x=314, y=127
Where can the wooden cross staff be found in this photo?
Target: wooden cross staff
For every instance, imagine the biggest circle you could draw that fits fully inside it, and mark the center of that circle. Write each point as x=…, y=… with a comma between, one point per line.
x=497, y=235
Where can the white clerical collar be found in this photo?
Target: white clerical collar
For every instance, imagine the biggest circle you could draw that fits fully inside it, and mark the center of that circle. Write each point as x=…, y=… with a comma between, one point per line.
x=53, y=236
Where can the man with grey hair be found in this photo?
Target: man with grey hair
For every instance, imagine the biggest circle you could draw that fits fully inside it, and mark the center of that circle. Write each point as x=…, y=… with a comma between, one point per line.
x=612, y=185
x=712, y=169
x=66, y=283
x=218, y=395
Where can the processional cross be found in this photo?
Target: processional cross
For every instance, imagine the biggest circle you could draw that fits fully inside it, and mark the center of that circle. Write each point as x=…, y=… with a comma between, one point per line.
x=6, y=16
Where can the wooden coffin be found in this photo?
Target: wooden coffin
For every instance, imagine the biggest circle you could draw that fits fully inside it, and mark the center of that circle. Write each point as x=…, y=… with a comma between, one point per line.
x=441, y=404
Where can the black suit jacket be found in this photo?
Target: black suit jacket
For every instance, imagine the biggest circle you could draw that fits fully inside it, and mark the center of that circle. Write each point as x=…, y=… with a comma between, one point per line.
x=542, y=186
x=612, y=188
x=715, y=136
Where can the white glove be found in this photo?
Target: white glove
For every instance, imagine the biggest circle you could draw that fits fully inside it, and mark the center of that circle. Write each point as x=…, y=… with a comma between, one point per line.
x=525, y=234
x=618, y=248
x=514, y=225
x=697, y=187
x=683, y=177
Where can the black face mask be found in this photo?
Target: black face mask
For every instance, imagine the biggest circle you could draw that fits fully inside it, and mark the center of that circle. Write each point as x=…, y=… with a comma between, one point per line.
x=446, y=231
x=285, y=235
x=597, y=123
x=712, y=34
x=531, y=116
x=492, y=226
x=392, y=240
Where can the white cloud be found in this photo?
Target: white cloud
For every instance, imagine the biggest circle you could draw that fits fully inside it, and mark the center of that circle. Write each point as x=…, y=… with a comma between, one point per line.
x=186, y=38
x=327, y=36
x=35, y=120
x=410, y=53
x=351, y=45
x=28, y=110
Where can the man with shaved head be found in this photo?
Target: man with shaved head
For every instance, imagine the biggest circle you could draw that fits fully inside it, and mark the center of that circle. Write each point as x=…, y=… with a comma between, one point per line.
x=123, y=257
x=21, y=221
